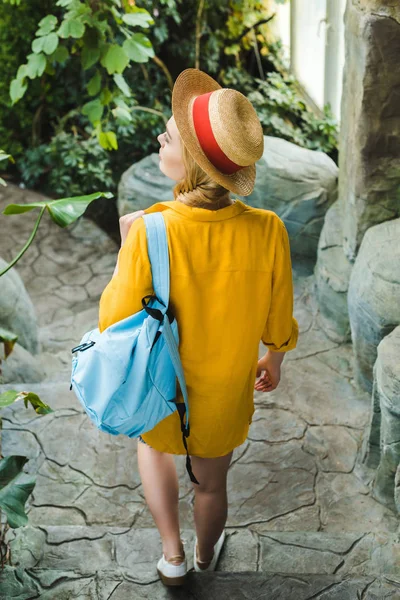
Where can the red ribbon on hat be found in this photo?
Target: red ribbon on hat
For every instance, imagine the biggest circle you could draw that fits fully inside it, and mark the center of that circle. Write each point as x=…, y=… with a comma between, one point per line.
x=206, y=138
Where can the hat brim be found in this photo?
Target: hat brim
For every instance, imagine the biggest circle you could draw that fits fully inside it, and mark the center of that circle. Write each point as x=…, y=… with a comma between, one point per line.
x=189, y=84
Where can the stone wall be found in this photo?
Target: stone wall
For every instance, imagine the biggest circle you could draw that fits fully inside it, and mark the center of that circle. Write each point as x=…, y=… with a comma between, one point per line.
x=369, y=157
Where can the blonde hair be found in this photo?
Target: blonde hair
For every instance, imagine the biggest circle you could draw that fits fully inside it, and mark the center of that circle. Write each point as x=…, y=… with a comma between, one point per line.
x=197, y=188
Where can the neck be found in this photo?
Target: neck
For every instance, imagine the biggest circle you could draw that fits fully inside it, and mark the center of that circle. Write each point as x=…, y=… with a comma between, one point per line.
x=221, y=203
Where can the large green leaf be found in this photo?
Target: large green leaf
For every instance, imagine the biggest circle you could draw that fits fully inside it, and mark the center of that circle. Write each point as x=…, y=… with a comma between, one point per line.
x=14, y=494
x=115, y=59
x=64, y=211
x=138, y=48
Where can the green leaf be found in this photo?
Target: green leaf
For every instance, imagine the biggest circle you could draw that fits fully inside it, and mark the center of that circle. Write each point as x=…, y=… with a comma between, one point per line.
x=50, y=43
x=22, y=72
x=8, y=397
x=140, y=17
x=115, y=60
x=71, y=28
x=46, y=43
x=37, y=45
x=2, y=182
x=17, y=90
x=4, y=156
x=90, y=56
x=108, y=140
x=11, y=396
x=50, y=70
x=106, y=96
x=122, y=115
x=8, y=338
x=93, y=87
x=14, y=493
x=94, y=110
x=64, y=211
x=121, y=83
x=36, y=65
x=40, y=407
x=46, y=25
x=64, y=2
x=119, y=101
x=60, y=55
x=112, y=138
x=138, y=48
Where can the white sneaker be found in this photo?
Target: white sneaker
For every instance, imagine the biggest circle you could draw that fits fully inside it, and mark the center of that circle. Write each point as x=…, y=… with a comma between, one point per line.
x=170, y=573
x=217, y=552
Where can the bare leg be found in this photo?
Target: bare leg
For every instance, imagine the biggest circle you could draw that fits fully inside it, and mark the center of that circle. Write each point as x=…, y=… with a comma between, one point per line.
x=161, y=489
x=211, y=503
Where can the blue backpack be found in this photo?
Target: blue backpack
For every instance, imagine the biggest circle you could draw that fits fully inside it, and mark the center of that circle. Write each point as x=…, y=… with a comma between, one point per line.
x=125, y=376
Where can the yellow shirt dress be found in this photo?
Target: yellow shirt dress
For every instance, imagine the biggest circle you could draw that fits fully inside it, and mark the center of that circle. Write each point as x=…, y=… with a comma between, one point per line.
x=230, y=287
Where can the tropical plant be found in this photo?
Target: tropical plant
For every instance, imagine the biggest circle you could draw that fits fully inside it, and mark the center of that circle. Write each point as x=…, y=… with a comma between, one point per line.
x=100, y=35
x=13, y=491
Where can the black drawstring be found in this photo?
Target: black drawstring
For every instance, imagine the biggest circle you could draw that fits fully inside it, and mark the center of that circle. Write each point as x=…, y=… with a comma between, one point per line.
x=181, y=406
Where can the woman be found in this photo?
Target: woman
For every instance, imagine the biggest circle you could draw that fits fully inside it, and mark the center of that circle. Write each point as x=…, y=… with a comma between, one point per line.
x=230, y=286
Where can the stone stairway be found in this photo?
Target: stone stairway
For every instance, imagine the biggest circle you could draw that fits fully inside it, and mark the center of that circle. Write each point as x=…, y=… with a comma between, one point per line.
x=99, y=562
x=302, y=522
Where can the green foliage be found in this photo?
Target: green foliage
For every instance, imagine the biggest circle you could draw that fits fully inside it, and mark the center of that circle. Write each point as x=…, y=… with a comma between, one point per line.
x=17, y=27
x=69, y=165
x=99, y=35
x=283, y=112
x=4, y=156
x=14, y=489
x=87, y=93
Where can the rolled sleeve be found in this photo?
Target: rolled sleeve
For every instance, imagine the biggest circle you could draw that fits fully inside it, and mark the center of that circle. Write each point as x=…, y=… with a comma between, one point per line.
x=123, y=295
x=281, y=329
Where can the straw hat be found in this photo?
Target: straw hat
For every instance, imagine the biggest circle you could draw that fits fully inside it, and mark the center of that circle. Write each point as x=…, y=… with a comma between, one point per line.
x=220, y=128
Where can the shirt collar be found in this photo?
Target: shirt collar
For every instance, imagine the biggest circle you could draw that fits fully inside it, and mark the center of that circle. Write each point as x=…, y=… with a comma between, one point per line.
x=200, y=214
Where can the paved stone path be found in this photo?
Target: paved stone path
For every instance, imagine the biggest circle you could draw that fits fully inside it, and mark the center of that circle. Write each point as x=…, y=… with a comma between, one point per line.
x=301, y=523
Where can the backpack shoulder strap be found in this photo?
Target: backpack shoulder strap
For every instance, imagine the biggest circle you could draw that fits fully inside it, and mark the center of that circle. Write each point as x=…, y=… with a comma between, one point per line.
x=157, y=248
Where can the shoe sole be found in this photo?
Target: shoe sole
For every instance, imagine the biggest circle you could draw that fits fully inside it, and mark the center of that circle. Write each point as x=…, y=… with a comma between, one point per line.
x=171, y=580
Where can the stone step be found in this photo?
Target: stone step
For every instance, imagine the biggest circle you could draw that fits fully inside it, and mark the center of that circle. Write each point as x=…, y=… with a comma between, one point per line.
x=54, y=561
x=50, y=584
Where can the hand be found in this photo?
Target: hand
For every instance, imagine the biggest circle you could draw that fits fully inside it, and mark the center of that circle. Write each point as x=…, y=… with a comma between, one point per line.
x=126, y=221
x=270, y=375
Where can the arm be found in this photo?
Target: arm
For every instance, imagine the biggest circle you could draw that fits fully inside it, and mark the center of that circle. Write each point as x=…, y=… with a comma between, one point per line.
x=281, y=330
x=125, y=223
x=131, y=281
